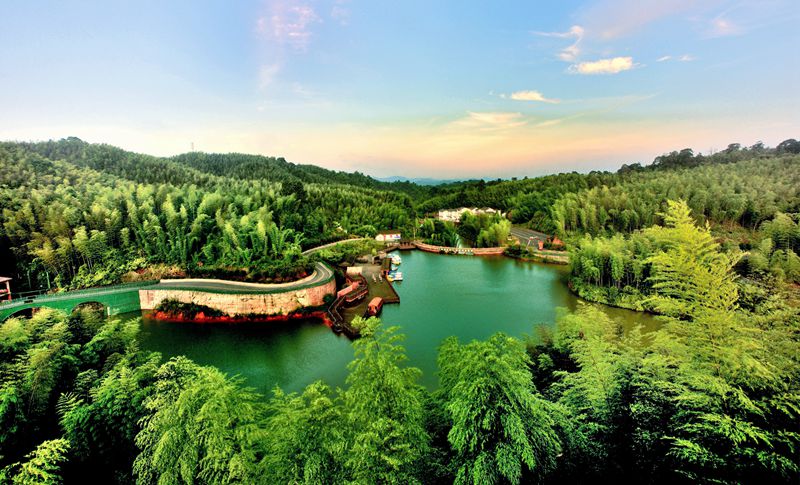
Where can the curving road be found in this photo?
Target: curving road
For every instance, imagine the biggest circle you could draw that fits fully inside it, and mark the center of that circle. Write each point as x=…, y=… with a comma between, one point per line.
x=321, y=274
x=335, y=243
x=125, y=298
x=107, y=295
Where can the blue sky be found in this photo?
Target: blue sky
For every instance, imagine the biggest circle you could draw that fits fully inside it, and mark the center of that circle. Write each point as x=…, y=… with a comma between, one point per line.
x=442, y=89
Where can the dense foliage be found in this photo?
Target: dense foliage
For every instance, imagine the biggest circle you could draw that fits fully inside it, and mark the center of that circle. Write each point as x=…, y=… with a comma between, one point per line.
x=709, y=242
x=485, y=230
x=76, y=215
x=618, y=269
x=713, y=396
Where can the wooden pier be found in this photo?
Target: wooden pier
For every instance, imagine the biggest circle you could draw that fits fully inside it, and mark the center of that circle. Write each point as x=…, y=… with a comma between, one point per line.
x=377, y=285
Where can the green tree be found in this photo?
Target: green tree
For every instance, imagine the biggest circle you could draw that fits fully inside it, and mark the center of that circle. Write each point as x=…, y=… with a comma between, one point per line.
x=43, y=466
x=305, y=439
x=203, y=427
x=387, y=439
x=500, y=426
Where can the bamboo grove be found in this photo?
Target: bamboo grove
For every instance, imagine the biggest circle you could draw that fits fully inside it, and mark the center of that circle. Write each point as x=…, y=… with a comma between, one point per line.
x=77, y=215
x=69, y=225
x=711, y=397
x=709, y=243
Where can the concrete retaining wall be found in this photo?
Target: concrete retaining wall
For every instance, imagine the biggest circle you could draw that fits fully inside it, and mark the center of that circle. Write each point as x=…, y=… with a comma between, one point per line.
x=242, y=304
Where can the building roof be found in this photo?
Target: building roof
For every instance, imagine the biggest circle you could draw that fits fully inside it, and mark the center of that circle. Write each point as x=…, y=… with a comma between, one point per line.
x=3, y=279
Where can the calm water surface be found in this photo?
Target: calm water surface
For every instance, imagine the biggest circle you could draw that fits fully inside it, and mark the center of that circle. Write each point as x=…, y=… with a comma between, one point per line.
x=469, y=297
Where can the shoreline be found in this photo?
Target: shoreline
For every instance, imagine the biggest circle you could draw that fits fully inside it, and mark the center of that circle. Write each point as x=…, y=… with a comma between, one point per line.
x=200, y=317
x=621, y=305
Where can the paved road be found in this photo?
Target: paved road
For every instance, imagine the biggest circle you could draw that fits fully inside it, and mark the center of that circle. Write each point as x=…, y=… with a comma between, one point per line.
x=335, y=243
x=524, y=235
x=321, y=273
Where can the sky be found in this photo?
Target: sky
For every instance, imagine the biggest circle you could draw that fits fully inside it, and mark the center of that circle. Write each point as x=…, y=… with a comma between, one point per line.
x=444, y=89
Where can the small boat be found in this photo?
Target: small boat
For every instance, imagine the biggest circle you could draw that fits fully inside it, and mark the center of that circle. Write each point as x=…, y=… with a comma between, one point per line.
x=396, y=260
x=375, y=306
x=396, y=276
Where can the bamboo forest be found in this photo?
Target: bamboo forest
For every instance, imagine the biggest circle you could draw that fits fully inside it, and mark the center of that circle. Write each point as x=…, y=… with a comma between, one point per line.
x=346, y=242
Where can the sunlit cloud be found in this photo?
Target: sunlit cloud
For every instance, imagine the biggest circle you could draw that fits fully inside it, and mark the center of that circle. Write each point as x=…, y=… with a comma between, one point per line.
x=490, y=121
x=603, y=66
x=529, y=96
x=571, y=52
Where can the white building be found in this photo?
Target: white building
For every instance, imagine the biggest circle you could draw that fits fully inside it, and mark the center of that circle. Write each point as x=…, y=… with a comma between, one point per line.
x=388, y=237
x=454, y=215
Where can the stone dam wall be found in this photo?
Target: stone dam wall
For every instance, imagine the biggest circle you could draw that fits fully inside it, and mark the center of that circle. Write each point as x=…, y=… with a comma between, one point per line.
x=273, y=303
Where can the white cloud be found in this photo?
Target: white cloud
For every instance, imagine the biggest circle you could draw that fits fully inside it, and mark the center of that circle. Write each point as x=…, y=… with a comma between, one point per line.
x=529, y=96
x=603, y=66
x=683, y=58
x=571, y=52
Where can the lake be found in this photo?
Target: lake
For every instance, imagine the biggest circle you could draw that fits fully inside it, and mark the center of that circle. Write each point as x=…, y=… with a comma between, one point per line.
x=469, y=297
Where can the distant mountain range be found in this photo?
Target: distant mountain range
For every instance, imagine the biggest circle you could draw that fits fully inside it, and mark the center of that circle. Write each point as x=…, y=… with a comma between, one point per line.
x=418, y=181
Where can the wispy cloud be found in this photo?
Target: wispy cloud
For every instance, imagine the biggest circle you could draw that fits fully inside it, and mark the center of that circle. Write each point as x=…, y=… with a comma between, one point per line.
x=683, y=58
x=603, y=66
x=740, y=17
x=284, y=28
x=340, y=12
x=289, y=23
x=266, y=75
x=571, y=52
x=720, y=26
x=490, y=121
x=612, y=19
x=529, y=96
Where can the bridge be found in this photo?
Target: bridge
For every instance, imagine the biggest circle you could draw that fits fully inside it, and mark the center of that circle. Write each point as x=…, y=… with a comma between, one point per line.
x=124, y=298
x=114, y=299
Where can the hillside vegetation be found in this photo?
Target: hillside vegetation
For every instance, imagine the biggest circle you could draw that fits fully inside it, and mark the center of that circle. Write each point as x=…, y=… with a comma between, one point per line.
x=712, y=396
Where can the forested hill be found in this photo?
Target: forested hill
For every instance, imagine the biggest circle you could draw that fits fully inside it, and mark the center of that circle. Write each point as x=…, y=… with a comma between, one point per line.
x=198, y=168
x=76, y=214
x=740, y=186
x=258, y=167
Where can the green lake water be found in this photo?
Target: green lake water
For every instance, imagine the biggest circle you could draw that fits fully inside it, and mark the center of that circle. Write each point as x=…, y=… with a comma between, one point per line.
x=469, y=297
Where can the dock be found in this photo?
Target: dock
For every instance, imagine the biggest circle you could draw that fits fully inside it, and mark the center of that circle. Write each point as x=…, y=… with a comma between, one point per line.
x=377, y=285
